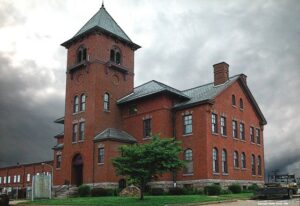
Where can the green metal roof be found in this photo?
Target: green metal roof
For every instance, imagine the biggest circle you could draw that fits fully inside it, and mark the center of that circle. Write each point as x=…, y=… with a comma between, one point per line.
x=103, y=22
x=115, y=135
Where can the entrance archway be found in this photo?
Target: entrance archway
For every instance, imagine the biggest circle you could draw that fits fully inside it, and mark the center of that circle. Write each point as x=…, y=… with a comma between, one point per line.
x=77, y=170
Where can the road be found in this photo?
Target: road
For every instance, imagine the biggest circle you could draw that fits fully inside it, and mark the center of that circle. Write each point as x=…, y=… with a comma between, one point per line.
x=292, y=202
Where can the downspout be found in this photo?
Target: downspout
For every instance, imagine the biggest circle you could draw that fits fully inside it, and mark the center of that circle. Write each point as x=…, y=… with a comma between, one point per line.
x=93, y=164
x=174, y=136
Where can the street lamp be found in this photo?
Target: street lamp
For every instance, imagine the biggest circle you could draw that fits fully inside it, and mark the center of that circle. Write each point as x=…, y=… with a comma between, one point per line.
x=51, y=177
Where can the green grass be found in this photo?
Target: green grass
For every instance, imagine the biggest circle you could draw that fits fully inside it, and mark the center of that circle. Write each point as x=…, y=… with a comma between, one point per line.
x=148, y=201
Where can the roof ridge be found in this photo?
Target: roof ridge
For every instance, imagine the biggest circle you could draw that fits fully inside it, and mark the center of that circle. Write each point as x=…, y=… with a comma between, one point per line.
x=210, y=83
x=167, y=86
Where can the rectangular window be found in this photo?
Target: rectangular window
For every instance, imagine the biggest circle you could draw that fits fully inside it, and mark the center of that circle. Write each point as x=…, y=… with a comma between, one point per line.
x=234, y=129
x=101, y=155
x=81, y=131
x=214, y=123
x=4, y=179
x=19, y=178
x=257, y=136
x=8, y=179
x=28, y=177
x=15, y=178
x=74, y=134
x=0, y=180
x=187, y=124
x=223, y=126
x=147, y=128
x=242, y=131
x=58, y=163
x=132, y=109
x=252, y=134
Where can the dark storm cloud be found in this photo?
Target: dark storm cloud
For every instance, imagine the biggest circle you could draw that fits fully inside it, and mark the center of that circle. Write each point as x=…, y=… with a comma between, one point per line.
x=26, y=123
x=260, y=39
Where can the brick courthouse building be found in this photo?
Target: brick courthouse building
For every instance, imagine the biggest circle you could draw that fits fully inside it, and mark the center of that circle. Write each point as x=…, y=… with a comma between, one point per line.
x=219, y=124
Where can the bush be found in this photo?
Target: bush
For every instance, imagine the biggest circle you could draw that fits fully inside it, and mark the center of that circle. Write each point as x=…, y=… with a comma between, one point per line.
x=225, y=192
x=253, y=187
x=192, y=191
x=235, y=188
x=156, y=191
x=99, y=192
x=84, y=190
x=177, y=191
x=212, y=190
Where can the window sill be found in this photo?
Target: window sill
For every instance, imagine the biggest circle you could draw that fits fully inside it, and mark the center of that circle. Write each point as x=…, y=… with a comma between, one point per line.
x=215, y=134
x=236, y=168
x=217, y=174
x=107, y=111
x=253, y=143
x=253, y=175
x=186, y=135
x=147, y=138
x=190, y=174
x=243, y=169
x=79, y=112
x=225, y=174
x=235, y=138
x=99, y=164
x=242, y=140
x=234, y=106
x=258, y=145
x=58, y=168
x=74, y=142
x=80, y=141
x=241, y=109
x=224, y=135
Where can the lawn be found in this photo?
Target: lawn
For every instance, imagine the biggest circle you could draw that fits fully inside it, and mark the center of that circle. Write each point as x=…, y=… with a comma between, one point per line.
x=148, y=201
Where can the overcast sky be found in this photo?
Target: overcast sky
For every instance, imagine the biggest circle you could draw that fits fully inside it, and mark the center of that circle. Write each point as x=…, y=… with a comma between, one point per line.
x=180, y=40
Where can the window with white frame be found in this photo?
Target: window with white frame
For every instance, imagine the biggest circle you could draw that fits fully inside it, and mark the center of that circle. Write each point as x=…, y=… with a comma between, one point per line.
x=223, y=126
x=257, y=136
x=252, y=134
x=81, y=131
x=106, y=101
x=188, y=157
x=253, y=164
x=8, y=179
x=15, y=179
x=214, y=123
x=76, y=104
x=4, y=179
x=0, y=180
x=224, y=162
x=74, y=133
x=242, y=131
x=187, y=124
x=82, y=102
x=215, y=160
x=101, y=155
x=19, y=178
x=236, y=159
x=234, y=129
x=28, y=177
x=243, y=160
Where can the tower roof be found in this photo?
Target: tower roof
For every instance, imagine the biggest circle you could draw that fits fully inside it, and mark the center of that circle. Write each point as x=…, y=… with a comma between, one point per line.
x=103, y=22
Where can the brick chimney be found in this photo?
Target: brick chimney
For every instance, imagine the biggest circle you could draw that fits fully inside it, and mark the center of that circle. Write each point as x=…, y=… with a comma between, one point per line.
x=221, y=73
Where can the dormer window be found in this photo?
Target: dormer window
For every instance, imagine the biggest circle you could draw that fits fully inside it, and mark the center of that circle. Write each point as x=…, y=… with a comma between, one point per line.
x=81, y=55
x=115, y=55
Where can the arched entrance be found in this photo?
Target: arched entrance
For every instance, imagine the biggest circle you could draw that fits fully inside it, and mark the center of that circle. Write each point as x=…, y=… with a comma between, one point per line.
x=77, y=170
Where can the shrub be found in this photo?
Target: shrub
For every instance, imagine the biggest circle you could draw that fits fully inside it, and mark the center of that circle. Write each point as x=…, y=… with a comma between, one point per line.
x=84, y=190
x=225, y=192
x=99, y=192
x=212, y=190
x=235, y=188
x=253, y=187
x=157, y=191
x=192, y=191
x=177, y=191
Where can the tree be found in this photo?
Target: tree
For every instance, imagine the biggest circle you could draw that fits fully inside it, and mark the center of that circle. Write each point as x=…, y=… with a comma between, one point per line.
x=145, y=162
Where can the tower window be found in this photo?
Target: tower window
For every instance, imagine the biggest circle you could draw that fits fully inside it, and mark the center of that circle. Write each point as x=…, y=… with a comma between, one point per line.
x=58, y=161
x=82, y=102
x=106, y=102
x=76, y=104
x=115, y=55
x=81, y=130
x=81, y=55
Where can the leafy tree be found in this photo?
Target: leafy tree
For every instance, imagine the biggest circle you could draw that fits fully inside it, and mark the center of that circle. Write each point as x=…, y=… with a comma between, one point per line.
x=145, y=162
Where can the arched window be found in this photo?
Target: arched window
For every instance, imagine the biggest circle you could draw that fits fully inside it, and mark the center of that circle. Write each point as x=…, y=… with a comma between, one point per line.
x=106, y=102
x=241, y=104
x=233, y=100
x=76, y=104
x=236, y=159
x=82, y=102
x=81, y=54
x=188, y=157
x=115, y=55
x=215, y=160
x=253, y=164
x=243, y=160
x=224, y=161
x=81, y=131
x=259, y=165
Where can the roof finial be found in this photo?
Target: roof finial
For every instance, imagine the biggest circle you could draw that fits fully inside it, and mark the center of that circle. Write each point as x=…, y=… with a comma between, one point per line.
x=102, y=6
